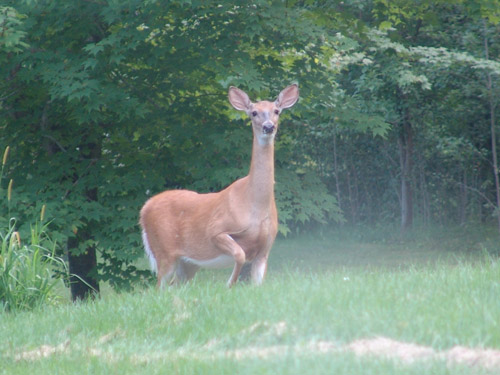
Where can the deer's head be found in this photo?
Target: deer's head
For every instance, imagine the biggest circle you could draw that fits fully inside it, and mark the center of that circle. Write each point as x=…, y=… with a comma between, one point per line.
x=264, y=114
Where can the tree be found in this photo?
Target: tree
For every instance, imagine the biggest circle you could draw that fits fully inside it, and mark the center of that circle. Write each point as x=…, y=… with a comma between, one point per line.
x=411, y=67
x=103, y=91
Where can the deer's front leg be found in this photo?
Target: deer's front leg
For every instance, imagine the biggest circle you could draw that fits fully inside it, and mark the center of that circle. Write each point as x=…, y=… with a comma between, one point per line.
x=226, y=244
x=259, y=268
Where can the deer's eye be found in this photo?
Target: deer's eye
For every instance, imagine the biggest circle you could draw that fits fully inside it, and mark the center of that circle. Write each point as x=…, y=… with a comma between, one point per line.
x=276, y=111
x=254, y=113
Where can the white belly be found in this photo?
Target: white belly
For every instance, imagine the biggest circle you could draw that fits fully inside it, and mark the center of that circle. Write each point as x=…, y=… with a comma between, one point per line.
x=222, y=261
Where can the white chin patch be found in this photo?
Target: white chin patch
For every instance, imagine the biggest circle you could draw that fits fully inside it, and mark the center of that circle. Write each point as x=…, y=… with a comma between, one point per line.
x=265, y=139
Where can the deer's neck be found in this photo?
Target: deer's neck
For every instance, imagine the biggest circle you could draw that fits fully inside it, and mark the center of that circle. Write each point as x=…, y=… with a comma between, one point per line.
x=261, y=176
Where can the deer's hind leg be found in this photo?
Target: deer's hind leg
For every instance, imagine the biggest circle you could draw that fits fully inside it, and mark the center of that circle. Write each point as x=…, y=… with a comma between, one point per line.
x=166, y=272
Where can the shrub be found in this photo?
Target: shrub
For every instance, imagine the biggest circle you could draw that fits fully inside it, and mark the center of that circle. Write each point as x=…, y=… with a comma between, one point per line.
x=29, y=272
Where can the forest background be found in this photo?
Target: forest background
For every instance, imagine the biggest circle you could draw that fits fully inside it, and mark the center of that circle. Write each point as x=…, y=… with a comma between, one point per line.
x=104, y=103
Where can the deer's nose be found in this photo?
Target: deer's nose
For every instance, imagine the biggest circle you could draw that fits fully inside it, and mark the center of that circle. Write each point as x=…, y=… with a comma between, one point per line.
x=268, y=127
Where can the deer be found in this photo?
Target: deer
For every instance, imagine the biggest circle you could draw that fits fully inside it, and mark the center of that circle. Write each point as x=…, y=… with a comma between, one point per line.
x=183, y=231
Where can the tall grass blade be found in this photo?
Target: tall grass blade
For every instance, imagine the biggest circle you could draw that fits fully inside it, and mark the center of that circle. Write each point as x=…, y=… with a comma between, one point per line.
x=5, y=156
x=9, y=191
x=28, y=273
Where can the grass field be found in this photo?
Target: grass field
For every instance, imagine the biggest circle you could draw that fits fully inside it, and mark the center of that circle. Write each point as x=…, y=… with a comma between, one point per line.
x=343, y=303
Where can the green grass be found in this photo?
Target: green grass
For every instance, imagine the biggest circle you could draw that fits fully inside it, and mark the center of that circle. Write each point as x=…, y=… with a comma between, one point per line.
x=320, y=293
x=27, y=277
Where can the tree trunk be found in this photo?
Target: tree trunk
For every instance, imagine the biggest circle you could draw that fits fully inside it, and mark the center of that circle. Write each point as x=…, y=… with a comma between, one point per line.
x=489, y=86
x=463, y=199
x=336, y=169
x=83, y=262
x=351, y=188
x=82, y=268
x=405, y=157
x=426, y=211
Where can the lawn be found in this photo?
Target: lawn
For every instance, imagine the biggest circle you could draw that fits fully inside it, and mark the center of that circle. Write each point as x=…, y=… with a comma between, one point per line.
x=340, y=303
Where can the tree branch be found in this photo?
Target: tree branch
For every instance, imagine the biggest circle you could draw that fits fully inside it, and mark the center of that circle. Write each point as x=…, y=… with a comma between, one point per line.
x=480, y=193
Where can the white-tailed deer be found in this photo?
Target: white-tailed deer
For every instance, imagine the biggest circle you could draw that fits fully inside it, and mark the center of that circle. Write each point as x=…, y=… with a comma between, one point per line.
x=183, y=230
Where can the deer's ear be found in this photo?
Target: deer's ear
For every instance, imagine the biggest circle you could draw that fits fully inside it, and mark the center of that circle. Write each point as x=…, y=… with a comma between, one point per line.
x=239, y=99
x=287, y=97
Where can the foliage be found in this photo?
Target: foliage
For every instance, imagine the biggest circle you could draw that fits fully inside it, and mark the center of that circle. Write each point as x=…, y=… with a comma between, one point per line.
x=11, y=36
x=411, y=70
x=107, y=103
x=106, y=91
x=318, y=207
x=29, y=273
